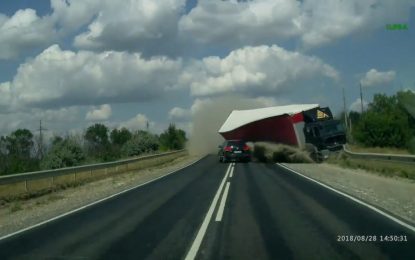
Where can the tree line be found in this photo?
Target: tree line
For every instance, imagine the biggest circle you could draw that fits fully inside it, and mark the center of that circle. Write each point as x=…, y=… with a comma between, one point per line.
x=98, y=144
x=389, y=121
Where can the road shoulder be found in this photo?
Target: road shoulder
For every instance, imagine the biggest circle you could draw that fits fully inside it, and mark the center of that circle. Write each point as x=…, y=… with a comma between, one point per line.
x=392, y=194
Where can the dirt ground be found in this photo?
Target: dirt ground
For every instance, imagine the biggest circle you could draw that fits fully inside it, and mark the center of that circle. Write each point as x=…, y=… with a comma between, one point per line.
x=395, y=194
x=24, y=213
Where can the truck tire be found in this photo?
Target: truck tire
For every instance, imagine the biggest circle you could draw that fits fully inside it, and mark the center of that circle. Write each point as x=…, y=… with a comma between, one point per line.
x=313, y=152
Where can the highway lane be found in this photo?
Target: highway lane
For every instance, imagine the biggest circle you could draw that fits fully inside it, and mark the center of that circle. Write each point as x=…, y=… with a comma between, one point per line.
x=275, y=214
x=268, y=213
x=155, y=221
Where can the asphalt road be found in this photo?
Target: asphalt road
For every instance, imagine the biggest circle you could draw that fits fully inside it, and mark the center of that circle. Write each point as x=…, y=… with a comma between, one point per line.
x=217, y=211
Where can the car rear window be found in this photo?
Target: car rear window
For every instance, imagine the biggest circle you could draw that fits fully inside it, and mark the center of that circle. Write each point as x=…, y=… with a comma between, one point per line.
x=236, y=143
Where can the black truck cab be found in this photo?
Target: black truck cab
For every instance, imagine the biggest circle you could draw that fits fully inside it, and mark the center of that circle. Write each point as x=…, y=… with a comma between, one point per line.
x=322, y=132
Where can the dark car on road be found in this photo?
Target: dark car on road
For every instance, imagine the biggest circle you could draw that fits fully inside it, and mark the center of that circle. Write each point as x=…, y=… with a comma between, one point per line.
x=234, y=150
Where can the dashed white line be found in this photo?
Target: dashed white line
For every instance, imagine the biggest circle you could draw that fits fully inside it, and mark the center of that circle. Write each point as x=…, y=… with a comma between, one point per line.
x=231, y=174
x=191, y=254
x=410, y=227
x=219, y=215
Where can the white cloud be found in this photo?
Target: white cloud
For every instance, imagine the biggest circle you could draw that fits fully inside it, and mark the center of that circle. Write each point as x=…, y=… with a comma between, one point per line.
x=23, y=32
x=139, y=122
x=99, y=113
x=249, y=22
x=374, y=78
x=313, y=22
x=70, y=15
x=5, y=96
x=58, y=78
x=254, y=71
x=356, y=106
x=178, y=114
x=54, y=120
x=145, y=25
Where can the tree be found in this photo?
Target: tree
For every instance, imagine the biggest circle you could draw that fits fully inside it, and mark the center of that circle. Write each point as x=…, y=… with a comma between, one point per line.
x=385, y=123
x=20, y=143
x=172, y=138
x=96, y=137
x=141, y=142
x=64, y=153
x=17, y=151
x=3, y=155
x=120, y=137
x=354, y=117
x=406, y=101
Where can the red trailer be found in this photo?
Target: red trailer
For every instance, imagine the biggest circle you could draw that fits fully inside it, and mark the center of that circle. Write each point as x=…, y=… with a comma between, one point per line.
x=292, y=124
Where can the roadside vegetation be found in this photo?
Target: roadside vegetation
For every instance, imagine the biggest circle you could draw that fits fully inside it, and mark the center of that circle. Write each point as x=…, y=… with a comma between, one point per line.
x=19, y=152
x=384, y=168
x=385, y=150
x=386, y=126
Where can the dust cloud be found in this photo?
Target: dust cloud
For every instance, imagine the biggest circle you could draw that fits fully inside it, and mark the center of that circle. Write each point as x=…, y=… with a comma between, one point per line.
x=209, y=117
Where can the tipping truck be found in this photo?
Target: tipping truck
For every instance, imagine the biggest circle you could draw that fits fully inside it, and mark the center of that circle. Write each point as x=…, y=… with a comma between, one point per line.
x=307, y=126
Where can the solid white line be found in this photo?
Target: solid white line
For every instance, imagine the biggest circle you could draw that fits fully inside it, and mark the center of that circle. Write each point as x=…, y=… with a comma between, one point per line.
x=219, y=215
x=231, y=174
x=408, y=226
x=93, y=203
x=202, y=230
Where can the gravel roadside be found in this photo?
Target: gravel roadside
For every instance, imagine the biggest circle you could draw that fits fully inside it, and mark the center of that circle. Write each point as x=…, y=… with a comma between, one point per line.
x=21, y=214
x=395, y=195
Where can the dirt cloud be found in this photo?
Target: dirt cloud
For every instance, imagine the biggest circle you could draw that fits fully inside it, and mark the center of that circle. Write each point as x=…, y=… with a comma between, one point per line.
x=209, y=116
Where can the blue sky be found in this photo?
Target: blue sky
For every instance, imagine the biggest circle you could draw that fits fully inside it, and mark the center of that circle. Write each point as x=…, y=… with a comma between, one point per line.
x=77, y=62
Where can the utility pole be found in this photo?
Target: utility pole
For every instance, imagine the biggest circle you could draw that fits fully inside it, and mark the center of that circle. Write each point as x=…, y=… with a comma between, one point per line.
x=147, y=125
x=345, y=111
x=41, y=139
x=361, y=97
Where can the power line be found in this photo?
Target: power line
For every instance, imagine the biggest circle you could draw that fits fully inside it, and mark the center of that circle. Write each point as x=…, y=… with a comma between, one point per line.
x=40, y=145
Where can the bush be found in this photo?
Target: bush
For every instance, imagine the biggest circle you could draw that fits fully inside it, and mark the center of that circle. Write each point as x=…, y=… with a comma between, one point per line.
x=64, y=153
x=385, y=124
x=141, y=142
x=411, y=145
x=173, y=138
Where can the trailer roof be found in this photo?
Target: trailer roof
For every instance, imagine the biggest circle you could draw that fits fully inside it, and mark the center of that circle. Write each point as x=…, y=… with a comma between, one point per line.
x=238, y=118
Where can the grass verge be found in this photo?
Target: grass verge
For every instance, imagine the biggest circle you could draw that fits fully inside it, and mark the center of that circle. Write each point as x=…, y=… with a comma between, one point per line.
x=384, y=168
x=385, y=150
x=4, y=201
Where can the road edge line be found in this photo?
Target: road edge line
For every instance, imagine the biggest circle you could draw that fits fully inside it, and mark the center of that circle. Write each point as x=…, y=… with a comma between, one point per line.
x=194, y=249
x=94, y=203
x=390, y=217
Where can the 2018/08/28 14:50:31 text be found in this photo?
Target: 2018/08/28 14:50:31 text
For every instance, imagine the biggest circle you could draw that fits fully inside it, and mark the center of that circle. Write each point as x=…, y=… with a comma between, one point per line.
x=372, y=238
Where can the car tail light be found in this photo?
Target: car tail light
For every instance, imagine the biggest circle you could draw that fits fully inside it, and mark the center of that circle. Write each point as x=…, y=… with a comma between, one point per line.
x=246, y=148
x=227, y=149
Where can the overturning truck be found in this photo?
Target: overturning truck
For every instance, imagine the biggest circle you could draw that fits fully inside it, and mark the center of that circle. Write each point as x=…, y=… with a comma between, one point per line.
x=306, y=126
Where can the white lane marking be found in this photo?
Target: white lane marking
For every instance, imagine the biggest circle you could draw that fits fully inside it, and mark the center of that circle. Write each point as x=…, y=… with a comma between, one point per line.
x=93, y=203
x=408, y=226
x=202, y=230
x=219, y=215
x=231, y=174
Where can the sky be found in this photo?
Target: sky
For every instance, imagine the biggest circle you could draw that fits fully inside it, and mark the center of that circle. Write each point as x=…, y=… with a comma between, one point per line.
x=74, y=63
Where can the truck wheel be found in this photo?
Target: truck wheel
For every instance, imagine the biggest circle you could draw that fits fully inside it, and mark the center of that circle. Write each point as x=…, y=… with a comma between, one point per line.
x=313, y=152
